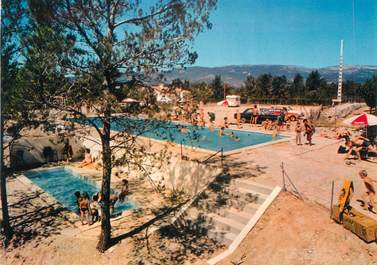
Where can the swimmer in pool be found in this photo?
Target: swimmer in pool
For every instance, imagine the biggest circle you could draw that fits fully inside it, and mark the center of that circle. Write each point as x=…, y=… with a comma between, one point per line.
x=234, y=137
x=221, y=132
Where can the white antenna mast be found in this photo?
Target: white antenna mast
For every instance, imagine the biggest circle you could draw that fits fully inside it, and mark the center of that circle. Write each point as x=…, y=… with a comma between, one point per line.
x=340, y=79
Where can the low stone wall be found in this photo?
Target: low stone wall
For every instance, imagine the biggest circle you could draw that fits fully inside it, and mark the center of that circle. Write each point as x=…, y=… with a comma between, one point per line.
x=172, y=173
x=30, y=152
x=343, y=110
x=189, y=176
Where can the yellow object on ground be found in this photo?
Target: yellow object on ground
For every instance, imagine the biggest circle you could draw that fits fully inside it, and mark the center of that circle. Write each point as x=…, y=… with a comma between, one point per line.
x=345, y=195
x=361, y=225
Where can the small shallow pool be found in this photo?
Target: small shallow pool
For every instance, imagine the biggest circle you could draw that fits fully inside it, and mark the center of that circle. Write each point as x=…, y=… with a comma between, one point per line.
x=195, y=136
x=61, y=183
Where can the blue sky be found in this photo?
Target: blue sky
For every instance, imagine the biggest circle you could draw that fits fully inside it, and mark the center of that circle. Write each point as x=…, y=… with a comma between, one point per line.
x=292, y=32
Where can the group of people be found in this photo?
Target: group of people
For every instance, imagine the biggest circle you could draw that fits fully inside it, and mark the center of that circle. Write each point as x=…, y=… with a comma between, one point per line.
x=308, y=128
x=356, y=145
x=91, y=210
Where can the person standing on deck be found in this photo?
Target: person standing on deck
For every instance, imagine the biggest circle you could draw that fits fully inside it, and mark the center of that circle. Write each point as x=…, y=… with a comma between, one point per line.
x=254, y=118
x=238, y=118
x=309, y=131
x=370, y=194
x=298, y=130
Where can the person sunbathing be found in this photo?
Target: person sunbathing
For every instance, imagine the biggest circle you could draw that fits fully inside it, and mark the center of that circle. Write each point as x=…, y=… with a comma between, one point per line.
x=353, y=147
x=359, y=143
x=366, y=144
x=88, y=160
x=346, y=135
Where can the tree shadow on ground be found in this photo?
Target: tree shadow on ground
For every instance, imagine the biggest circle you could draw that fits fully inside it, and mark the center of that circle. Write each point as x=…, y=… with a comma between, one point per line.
x=33, y=219
x=161, y=216
x=237, y=168
x=181, y=243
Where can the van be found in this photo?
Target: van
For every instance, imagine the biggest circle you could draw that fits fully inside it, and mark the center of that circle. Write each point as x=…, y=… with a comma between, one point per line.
x=233, y=100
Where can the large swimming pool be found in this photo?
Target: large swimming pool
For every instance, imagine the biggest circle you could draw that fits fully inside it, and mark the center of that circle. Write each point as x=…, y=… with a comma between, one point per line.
x=62, y=183
x=194, y=136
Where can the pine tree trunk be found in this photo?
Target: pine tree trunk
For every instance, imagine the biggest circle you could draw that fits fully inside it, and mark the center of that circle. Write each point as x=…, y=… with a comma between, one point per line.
x=4, y=225
x=105, y=236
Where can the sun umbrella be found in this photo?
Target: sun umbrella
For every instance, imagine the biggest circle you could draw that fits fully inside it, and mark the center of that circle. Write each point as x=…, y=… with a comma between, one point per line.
x=362, y=120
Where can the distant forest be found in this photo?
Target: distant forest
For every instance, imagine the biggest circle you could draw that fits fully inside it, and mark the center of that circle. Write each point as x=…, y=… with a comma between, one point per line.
x=267, y=88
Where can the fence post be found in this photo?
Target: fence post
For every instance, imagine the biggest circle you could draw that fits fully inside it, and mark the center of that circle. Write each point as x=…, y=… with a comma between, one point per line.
x=283, y=174
x=181, y=151
x=332, y=195
x=222, y=157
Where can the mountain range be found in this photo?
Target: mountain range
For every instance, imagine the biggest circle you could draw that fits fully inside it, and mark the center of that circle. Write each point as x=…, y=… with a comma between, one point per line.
x=236, y=74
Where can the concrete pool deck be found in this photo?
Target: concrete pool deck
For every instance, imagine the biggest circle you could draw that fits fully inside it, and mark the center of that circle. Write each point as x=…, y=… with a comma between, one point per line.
x=311, y=168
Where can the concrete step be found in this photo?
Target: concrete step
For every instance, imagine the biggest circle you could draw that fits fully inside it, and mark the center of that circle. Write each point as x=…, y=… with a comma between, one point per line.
x=226, y=224
x=259, y=197
x=251, y=208
x=222, y=236
x=239, y=216
x=247, y=184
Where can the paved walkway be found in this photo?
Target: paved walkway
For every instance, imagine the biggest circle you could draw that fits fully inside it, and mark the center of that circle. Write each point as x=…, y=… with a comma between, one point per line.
x=311, y=168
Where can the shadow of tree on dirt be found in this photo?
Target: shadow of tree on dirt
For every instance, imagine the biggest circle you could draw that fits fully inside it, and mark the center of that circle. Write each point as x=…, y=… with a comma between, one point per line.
x=181, y=243
x=32, y=218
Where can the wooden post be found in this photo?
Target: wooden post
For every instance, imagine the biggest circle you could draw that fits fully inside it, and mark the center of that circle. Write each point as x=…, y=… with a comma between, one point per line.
x=332, y=195
x=224, y=91
x=283, y=174
x=222, y=157
x=181, y=151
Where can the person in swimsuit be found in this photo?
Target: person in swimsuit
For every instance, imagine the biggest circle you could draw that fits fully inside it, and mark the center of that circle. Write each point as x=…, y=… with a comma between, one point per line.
x=255, y=113
x=309, y=131
x=370, y=194
x=113, y=199
x=356, y=144
x=78, y=199
x=95, y=209
x=124, y=191
x=221, y=131
x=85, y=208
x=87, y=159
x=226, y=124
x=234, y=137
x=67, y=150
x=298, y=130
x=238, y=119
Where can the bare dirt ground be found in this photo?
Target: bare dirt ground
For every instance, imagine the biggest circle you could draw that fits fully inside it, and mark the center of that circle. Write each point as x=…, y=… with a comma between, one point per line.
x=300, y=232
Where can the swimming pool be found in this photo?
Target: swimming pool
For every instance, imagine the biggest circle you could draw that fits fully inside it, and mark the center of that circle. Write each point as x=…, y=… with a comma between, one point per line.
x=62, y=183
x=196, y=136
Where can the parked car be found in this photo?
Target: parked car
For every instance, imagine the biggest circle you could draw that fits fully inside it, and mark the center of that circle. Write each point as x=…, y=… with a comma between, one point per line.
x=264, y=114
x=291, y=114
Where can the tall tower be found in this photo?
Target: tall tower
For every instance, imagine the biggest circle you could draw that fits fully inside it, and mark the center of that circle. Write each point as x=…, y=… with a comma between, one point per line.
x=340, y=79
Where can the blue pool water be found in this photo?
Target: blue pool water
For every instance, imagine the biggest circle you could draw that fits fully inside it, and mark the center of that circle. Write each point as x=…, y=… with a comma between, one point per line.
x=195, y=136
x=62, y=183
